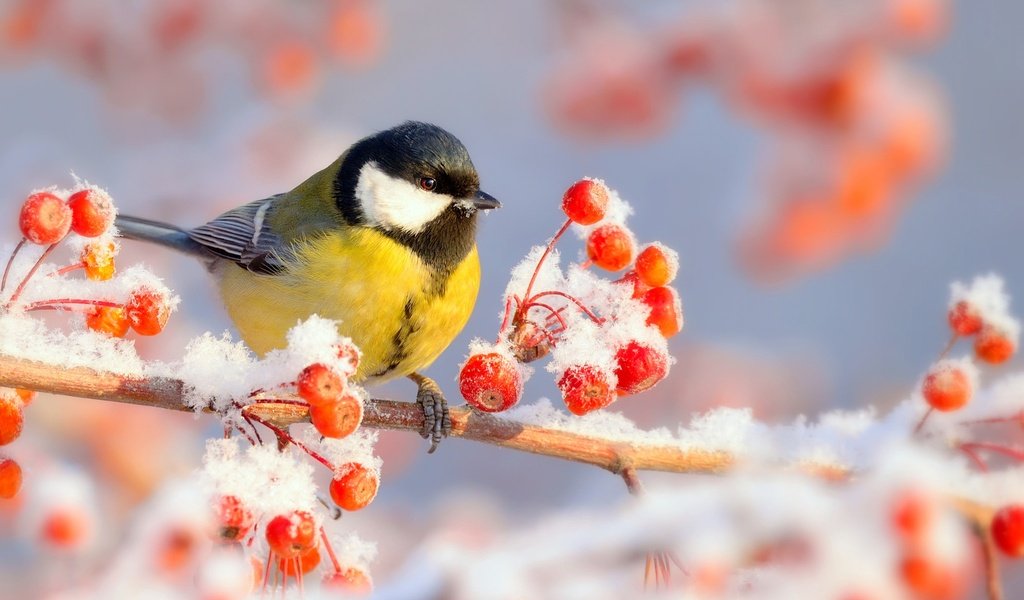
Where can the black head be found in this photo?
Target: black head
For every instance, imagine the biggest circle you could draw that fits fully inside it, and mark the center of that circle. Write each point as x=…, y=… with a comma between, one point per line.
x=416, y=183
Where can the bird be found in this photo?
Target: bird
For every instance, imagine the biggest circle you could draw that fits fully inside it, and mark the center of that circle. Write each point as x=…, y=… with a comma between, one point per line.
x=383, y=240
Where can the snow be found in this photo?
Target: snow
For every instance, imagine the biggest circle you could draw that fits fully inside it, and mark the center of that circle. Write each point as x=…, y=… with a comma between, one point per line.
x=987, y=294
x=266, y=481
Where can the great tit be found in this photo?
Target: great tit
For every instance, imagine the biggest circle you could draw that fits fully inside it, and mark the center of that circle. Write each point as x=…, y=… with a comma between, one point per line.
x=382, y=240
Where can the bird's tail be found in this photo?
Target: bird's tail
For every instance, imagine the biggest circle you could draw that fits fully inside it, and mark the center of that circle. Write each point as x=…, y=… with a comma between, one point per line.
x=134, y=228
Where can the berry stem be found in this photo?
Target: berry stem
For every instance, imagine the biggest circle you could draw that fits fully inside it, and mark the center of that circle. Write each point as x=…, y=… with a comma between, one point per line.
x=67, y=269
x=330, y=550
x=58, y=304
x=506, y=318
x=547, y=251
x=31, y=272
x=920, y=424
x=995, y=420
x=949, y=345
x=973, y=456
x=572, y=299
x=554, y=313
x=284, y=435
x=10, y=261
x=1013, y=453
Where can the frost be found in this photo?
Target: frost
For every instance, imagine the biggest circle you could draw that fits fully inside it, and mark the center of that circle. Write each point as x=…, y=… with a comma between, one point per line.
x=265, y=480
x=987, y=295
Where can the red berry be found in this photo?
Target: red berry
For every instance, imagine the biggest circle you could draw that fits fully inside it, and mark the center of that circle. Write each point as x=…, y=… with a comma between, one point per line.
x=177, y=550
x=12, y=418
x=666, y=310
x=585, y=201
x=964, y=318
x=585, y=388
x=234, y=520
x=490, y=382
x=946, y=388
x=929, y=578
x=318, y=384
x=147, y=311
x=656, y=265
x=10, y=478
x=638, y=367
x=347, y=351
x=290, y=535
x=65, y=527
x=337, y=419
x=92, y=212
x=993, y=346
x=112, y=321
x=913, y=513
x=45, y=218
x=611, y=247
x=98, y=258
x=354, y=487
x=351, y=580
x=304, y=563
x=1008, y=530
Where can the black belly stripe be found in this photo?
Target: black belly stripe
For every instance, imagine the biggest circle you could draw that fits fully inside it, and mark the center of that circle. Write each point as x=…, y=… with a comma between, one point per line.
x=399, y=352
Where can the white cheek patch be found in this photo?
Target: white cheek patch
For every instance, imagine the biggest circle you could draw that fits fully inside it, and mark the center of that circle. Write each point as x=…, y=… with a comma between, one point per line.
x=396, y=204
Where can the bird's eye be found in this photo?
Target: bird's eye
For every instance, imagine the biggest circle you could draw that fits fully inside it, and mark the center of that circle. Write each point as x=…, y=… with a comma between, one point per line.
x=428, y=183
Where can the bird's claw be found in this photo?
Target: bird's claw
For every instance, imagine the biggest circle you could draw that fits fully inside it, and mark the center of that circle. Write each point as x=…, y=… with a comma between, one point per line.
x=437, y=422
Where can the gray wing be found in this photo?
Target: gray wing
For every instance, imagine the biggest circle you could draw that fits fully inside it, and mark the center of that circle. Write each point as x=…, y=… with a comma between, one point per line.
x=243, y=236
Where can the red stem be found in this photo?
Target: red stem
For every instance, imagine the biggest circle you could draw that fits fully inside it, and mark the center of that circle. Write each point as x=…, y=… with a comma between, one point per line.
x=547, y=251
x=949, y=345
x=57, y=302
x=10, y=261
x=281, y=433
x=978, y=462
x=995, y=420
x=997, y=448
x=572, y=299
x=32, y=271
x=67, y=269
x=920, y=423
x=554, y=313
x=505, y=319
x=330, y=550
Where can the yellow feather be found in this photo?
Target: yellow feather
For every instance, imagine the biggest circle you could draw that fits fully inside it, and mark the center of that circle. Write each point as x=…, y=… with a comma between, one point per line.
x=378, y=289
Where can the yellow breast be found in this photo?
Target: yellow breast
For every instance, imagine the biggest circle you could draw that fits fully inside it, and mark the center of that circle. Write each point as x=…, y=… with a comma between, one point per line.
x=392, y=305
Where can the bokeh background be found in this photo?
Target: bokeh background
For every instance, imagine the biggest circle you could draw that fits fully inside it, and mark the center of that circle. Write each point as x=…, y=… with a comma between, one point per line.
x=714, y=119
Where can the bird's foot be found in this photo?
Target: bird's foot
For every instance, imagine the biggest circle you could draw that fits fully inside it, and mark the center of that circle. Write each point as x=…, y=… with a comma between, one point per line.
x=437, y=422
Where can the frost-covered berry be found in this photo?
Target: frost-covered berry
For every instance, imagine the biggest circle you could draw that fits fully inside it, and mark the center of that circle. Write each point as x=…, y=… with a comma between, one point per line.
x=147, y=311
x=350, y=580
x=611, y=247
x=290, y=535
x=585, y=388
x=111, y=320
x=92, y=212
x=65, y=527
x=666, y=310
x=947, y=387
x=490, y=382
x=98, y=259
x=638, y=288
x=656, y=265
x=354, y=487
x=234, y=520
x=303, y=563
x=639, y=367
x=45, y=218
x=585, y=201
x=12, y=418
x=319, y=384
x=993, y=346
x=10, y=478
x=1008, y=530
x=348, y=352
x=337, y=419
x=964, y=318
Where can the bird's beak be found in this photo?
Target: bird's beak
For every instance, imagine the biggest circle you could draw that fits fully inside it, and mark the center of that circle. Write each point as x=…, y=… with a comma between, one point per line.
x=485, y=201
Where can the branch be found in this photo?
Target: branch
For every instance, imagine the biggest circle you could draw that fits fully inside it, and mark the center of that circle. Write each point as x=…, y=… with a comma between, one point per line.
x=468, y=424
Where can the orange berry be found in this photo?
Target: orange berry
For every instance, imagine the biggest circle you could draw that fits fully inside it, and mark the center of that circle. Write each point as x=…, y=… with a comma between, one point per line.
x=26, y=396
x=611, y=247
x=490, y=382
x=929, y=578
x=351, y=580
x=585, y=388
x=1008, y=530
x=946, y=388
x=177, y=549
x=290, y=66
x=656, y=265
x=45, y=218
x=65, y=527
x=112, y=321
x=234, y=520
x=304, y=563
x=147, y=311
x=12, y=418
x=585, y=201
x=638, y=367
x=355, y=486
x=964, y=318
x=913, y=513
x=290, y=535
x=318, y=384
x=92, y=212
x=10, y=478
x=666, y=310
x=98, y=258
x=993, y=346
x=337, y=419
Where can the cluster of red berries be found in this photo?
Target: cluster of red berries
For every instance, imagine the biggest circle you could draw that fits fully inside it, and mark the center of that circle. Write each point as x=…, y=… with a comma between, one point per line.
x=491, y=379
x=994, y=344
x=46, y=219
x=12, y=419
x=916, y=519
x=294, y=540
